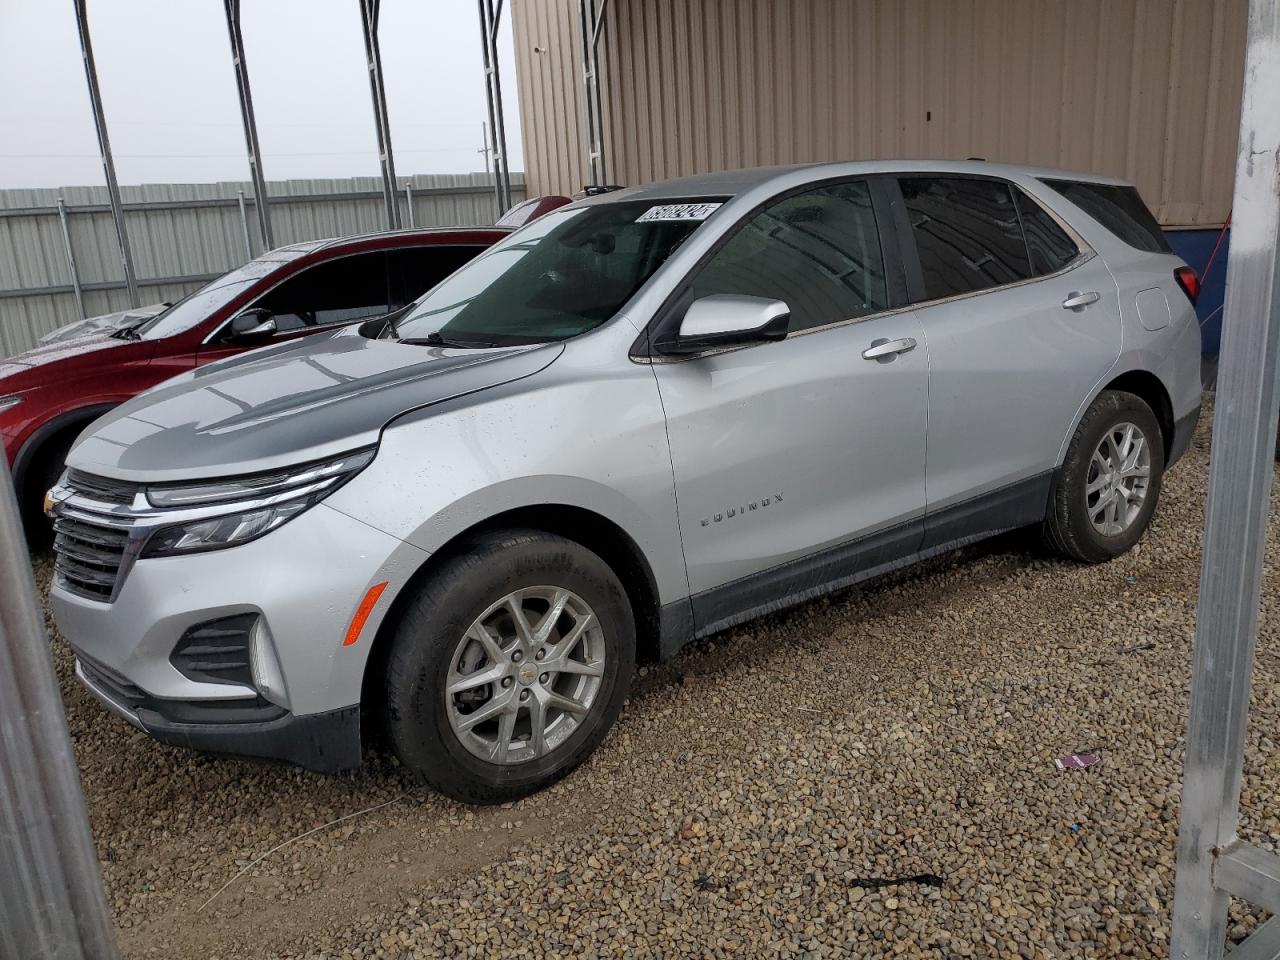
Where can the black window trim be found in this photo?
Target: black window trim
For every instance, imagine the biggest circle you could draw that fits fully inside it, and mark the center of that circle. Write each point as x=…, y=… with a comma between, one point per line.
x=884, y=196
x=220, y=336
x=911, y=254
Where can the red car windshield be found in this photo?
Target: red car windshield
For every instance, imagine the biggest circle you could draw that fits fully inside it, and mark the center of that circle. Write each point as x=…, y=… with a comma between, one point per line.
x=195, y=308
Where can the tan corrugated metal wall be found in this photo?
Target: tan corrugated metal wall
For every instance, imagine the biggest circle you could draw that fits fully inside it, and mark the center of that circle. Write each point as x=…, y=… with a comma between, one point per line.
x=1144, y=89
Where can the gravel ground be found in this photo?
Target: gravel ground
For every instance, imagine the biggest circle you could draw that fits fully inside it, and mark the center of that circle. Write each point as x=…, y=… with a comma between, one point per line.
x=868, y=775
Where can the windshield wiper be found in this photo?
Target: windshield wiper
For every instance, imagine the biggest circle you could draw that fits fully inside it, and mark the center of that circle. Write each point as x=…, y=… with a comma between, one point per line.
x=437, y=339
x=128, y=333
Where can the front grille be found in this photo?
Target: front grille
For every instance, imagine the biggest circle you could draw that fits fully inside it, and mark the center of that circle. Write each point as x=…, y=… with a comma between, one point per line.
x=217, y=651
x=88, y=556
x=102, y=489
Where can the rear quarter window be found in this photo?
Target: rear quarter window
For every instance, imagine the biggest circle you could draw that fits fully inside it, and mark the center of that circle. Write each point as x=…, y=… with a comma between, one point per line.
x=1118, y=208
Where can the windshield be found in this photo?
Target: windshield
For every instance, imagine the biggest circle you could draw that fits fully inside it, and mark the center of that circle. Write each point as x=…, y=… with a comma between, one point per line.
x=564, y=274
x=197, y=307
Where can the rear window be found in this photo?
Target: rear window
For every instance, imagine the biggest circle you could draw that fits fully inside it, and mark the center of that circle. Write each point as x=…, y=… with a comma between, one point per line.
x=1118, y=208
x=967, y=233
x=1048, y=245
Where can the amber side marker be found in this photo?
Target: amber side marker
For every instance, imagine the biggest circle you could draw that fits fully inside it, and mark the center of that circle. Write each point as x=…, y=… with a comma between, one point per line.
x=362, y=613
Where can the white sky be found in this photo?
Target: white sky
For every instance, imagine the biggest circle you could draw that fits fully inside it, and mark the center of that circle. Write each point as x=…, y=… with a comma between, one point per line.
x=168, y=88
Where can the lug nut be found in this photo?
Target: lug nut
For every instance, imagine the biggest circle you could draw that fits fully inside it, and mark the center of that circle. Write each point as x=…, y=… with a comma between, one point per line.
x=507, y=681
x=544, y=678
x=540, y=654
x=517, y=657
x=524, y=695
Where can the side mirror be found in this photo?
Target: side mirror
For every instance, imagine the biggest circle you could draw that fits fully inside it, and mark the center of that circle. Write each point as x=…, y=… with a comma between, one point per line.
x=253, y=324
x=729, y=320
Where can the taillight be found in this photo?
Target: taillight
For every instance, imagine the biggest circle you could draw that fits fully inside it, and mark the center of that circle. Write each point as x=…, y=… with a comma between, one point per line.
x=1189, y=281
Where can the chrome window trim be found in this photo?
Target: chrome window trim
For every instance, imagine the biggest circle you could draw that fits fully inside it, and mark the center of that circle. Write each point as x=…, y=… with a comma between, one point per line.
x=1086, y=255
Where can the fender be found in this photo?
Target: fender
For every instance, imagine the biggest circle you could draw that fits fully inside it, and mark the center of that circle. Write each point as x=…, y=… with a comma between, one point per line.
x=31, y=446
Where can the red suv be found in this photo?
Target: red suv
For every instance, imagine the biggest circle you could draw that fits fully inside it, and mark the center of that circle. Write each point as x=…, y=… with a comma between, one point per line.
x=50, y=394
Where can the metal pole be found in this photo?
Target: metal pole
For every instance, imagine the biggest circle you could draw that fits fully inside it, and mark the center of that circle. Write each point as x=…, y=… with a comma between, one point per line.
x=52, y=906
x=241, y=65
x=104, y=148
x=71, y=256
x=500, y=128
x=591, y=21
x=244, y=225
x=408, y=197
x=369, y=10
x=1212, y=863
x=492, y=105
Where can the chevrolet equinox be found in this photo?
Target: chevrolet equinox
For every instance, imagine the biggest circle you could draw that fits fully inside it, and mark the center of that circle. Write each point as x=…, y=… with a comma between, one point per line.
x=641, y=419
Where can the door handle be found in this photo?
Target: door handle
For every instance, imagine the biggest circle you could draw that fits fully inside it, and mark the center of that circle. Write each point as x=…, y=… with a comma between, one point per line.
x=1078, y=301
x=886, y=350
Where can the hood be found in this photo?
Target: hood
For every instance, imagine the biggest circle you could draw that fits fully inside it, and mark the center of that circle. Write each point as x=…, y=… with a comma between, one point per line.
x=299, y=401
x=82, y=352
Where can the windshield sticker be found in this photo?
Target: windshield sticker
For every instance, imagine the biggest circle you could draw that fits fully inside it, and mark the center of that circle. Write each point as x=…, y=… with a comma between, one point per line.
x=679, y=211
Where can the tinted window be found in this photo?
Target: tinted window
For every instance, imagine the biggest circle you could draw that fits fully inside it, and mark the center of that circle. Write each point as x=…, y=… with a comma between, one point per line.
x=1119, y=209
x=819, y=251
x=562, y=275
x=1048, y=245
x=415, y=270
x=339, y=291
x=967, y=233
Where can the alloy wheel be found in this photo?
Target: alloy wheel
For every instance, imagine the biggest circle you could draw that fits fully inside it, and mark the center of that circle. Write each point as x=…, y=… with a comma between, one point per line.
x=525, y=675
x=1118, y=479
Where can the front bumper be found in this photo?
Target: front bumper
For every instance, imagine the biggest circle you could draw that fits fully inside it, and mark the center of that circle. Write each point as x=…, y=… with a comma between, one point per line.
x=324, y=742
x=305, y=580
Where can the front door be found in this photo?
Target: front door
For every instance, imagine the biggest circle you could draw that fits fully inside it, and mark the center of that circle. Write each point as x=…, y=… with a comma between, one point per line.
x=799, y=462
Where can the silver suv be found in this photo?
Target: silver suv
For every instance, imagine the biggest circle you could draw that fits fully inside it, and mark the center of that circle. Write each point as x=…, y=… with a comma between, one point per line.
x=641, y=419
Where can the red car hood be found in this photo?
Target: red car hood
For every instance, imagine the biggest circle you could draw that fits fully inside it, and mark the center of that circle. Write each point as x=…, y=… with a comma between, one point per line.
x=27, y=366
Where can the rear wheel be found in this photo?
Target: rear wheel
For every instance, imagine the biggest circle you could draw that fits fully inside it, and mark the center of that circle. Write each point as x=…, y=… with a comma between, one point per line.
x=1107, y=489
x=509, y=666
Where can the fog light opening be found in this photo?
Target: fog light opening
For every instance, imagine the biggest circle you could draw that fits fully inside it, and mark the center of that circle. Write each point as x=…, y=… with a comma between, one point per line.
x=267, y=676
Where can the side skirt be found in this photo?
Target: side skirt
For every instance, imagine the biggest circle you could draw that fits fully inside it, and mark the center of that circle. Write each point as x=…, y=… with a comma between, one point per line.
x=1018, y=505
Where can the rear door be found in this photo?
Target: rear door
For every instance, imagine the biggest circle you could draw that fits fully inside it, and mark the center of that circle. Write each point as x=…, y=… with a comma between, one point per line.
x=785, y=453
x=415, y=270
x=1022, y=322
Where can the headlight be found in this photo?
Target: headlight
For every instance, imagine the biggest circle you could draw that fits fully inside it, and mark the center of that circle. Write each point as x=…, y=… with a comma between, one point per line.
x=269, y=500
x=8, y=403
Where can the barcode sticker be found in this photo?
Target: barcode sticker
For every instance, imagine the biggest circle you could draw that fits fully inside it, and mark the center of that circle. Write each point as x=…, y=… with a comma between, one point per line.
x=679, y=211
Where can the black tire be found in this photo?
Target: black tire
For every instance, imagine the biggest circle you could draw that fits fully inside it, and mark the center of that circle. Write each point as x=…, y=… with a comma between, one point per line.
x=42, y=474
x=1067, y=527
x=426, y=638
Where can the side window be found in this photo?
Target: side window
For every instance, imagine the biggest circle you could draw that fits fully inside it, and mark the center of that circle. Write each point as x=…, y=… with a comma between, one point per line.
x=1118, y=208
x=415, y=270
x=339, y=291
x=819, y=251
x=967, y=233
x=1049, y=246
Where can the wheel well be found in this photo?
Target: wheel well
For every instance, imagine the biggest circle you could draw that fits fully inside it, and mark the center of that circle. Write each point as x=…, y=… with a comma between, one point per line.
x=598, y=534
x=1147, y=385
x=65, y=427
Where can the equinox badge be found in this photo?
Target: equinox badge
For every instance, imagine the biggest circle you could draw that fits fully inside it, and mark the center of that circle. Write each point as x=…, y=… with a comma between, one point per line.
x=732, y=512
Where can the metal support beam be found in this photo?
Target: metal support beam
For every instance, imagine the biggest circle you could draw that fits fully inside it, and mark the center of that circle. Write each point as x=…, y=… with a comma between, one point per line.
x=1240, y=475
x=490, y=20
x=244, y=225
x=71, y=256
x=232, y=8
x=408, y=202
x=52, y=906
x=591, y=15
x=104, y=149
x=369, y=10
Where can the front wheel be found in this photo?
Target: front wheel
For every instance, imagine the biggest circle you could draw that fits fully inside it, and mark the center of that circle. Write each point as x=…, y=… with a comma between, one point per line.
x=509, y=666
x=1107, y=489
